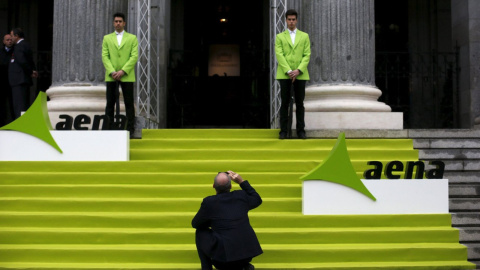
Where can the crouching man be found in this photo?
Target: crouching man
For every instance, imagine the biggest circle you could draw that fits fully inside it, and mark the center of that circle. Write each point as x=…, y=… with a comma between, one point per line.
x=224, y=236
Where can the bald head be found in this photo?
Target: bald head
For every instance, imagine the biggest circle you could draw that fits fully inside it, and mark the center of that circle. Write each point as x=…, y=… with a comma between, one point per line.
x=222, y=182
x=8, y=41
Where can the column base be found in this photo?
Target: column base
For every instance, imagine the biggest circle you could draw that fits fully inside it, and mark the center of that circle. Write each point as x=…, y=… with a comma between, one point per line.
x=344, y=98
x=76, y=99
x=352, y=120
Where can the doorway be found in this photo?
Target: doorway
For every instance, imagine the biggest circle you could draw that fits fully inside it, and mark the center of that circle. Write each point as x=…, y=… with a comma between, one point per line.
x=219, y=64
x=417, y=66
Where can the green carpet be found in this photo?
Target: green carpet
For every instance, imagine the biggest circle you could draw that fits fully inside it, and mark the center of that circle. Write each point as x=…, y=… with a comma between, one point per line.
x=137, y=214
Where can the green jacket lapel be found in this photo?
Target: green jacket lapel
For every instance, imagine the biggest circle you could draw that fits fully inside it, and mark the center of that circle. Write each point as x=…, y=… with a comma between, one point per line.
x=124, y=39
x=113, y=38
x=298, y=38
x=288, y=38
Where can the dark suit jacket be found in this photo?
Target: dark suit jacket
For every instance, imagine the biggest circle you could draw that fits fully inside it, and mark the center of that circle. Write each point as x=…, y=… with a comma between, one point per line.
x=227, y=215
x=5, y=91
x=20, y=71
x=4, y=61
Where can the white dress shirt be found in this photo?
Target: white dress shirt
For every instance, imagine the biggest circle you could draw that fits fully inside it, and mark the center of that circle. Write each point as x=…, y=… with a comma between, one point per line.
x=119, y=37
x=292, y=35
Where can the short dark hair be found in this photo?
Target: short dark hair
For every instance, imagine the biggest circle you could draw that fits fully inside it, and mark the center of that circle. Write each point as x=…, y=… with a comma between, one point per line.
x=18, y=32
x=119, y=14
x=291, y=12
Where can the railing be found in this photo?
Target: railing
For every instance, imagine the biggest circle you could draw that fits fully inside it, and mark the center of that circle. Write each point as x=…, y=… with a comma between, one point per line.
x=278, y=8
x=424, y=86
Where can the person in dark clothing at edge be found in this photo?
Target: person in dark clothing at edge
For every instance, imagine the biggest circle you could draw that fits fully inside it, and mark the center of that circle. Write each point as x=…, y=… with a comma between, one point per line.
x=21, y=70
x=224, y=236
x=6, y=51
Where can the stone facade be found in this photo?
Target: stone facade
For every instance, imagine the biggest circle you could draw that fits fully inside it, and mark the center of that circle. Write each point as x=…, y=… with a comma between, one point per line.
x=466, y=34
x=342, y=67
x=80, y=25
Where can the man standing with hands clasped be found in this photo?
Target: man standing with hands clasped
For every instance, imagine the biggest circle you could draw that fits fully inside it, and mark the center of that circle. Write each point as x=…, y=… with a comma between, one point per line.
x=224, y=236
x=292, y=48
x=119, y=56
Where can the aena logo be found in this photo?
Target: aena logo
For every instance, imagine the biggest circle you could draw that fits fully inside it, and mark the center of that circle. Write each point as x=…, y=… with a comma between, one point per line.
x=417, y=167
x=36, y=122
x=338, y=168
x=69, y=123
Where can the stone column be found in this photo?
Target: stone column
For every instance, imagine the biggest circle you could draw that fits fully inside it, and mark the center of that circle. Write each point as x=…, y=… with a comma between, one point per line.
x=341, y=93
x=78, y=75
x=466, y=35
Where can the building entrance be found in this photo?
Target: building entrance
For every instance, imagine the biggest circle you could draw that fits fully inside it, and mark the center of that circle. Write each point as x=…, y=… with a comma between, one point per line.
x=219, y=64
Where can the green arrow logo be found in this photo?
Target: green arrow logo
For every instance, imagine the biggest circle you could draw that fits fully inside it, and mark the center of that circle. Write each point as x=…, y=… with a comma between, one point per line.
x=338, y=168
x=36, y=122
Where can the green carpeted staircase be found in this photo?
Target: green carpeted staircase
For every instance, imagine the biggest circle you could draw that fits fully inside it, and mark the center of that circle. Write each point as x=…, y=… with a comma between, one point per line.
x=137, y=214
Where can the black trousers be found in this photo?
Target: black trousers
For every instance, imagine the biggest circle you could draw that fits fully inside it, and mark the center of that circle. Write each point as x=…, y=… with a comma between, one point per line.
x=20, y=99
x=299, y=93
x=6, y=110
x=127, y=90
x=205, y=242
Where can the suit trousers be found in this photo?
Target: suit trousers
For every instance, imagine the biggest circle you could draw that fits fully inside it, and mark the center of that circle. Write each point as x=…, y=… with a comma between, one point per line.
x=6, y=110
x=127, y=90
x=20, y=98
x=205, y=241
x=299, y=93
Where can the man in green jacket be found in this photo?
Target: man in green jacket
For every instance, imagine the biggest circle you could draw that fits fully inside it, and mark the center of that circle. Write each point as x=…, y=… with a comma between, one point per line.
x=119, y=56
x=292, y=48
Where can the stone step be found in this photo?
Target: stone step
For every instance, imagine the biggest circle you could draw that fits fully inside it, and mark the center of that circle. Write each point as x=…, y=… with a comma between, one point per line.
x=455, y=165
x=473, y=251
x=471, y=165
x=476, y=262
x=460, y=150
x=465, y=219
x=464, y=204
x=441, y=154
x=469, y=234
x=443, y=133
x=464, y=190
x=462, y=177
x=460, y=143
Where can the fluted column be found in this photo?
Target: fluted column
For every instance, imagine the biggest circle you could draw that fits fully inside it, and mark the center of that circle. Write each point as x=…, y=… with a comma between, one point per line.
x=342, y=92
x=78, y=85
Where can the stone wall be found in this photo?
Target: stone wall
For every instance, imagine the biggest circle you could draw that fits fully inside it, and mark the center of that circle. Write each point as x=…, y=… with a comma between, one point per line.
x=466, y=34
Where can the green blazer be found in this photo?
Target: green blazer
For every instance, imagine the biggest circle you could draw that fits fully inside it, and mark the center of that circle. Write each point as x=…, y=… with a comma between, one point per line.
x=123, y=57
x=292, y=56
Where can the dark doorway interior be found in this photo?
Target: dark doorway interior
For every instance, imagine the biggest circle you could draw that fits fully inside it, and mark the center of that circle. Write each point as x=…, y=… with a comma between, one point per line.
x=45, y=44
x=201, y=96
x=417, y=66
x=392, y=55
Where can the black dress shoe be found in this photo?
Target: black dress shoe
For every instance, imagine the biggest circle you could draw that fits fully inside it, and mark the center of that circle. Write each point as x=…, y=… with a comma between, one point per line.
x=249, y=267
x=282, y=135
x=301, y=134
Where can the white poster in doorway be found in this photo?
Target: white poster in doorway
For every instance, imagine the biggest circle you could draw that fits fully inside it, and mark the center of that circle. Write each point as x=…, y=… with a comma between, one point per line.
x=224, y=60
